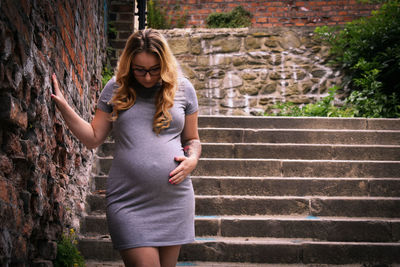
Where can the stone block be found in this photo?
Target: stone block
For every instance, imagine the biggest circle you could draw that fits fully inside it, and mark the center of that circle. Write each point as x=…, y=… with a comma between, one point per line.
x=237, y=167
x=232, y=81
x=206, y=226
x=355, y=207
x=179, y=45
x=249, y=90
x=195, y=45
x=246, y=251
x=289, y=40
x=340, y=169
x=385, y=187
x=12, y=112
x=350, y=253
x=234, y=103
x=252, y=43
x=226, y=45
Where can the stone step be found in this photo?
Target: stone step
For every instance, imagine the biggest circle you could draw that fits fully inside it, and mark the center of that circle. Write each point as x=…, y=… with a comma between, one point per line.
x=286, y=205
x=308, y=205
x=263, y=250
x=297, y=122
x=120, y=263
x=285, y=168
x=296, y=186
x=289, y=186
x=300, y=151
x=296, y=168
x=300, y=136
x=288, y=151
x=315, y=228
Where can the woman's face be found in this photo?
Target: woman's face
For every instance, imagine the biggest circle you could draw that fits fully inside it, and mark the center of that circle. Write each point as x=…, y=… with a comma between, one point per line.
x=146, y=69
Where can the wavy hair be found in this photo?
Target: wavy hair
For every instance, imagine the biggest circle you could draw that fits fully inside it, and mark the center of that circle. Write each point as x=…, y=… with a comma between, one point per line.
x=149, y=41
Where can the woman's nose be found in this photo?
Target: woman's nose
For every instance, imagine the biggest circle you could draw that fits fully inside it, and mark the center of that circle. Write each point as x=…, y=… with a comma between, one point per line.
x=147, y=76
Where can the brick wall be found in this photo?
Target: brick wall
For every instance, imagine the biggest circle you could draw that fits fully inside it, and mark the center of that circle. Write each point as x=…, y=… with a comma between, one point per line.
x=271, y=13
x=44, y=169
x=121, y=18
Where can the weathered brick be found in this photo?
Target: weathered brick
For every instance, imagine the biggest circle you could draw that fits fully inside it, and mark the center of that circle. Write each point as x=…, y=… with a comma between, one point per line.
x=29, y=156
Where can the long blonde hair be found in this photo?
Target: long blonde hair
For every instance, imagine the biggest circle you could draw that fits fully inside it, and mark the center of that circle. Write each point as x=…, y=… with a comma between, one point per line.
x=152, y=42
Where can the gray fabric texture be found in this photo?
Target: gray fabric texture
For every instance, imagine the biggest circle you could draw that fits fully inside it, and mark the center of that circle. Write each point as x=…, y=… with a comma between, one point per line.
x=143, y=208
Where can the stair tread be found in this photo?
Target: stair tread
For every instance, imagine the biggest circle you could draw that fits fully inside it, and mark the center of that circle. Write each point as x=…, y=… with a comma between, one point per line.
x=299, y=144
x=301, y=160
x=300, y=129
x=286, y=197
x=95, y=263
x=250, y=240
x=299, y=197
x=279, y=218
x=290, y=178
x=284, y=178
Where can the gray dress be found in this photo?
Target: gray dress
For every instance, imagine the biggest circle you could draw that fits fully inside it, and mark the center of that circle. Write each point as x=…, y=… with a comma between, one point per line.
x=143, y=208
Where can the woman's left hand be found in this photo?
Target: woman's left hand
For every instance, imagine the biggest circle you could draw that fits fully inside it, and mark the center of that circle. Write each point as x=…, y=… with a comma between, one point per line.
x=186, y=166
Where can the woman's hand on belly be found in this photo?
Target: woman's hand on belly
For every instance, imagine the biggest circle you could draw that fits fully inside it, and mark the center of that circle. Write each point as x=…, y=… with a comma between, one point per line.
x=185, y=167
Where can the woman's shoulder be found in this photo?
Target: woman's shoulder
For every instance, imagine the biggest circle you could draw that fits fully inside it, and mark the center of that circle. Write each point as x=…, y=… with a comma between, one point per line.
x=111, y=85
x=184, y=84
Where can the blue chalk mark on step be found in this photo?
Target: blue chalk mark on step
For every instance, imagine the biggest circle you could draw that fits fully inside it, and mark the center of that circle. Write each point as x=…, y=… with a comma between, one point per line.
x=186, y=264
x=312, y=217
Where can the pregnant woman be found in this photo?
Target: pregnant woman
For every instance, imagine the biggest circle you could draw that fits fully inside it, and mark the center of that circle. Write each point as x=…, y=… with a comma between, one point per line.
x=153, y=113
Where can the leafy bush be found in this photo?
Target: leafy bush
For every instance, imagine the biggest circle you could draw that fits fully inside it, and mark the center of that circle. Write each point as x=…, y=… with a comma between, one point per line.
x=158, y=19
x=323, y=108
x=368, y=50
x=107, y=74
x=371, y=101
x=237, y=18
x=68, y=254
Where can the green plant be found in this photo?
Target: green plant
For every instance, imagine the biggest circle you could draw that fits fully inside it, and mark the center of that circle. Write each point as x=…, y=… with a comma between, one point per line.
x=368, y=50
x=107, y=74
x=370, y=101
x=237, y=18
x=68, y=254
x=158, y=19
x=112, y=30
x=323, y=108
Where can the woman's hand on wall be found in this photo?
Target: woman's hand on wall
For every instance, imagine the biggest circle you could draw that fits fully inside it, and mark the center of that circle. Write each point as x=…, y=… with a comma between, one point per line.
x=57, y=97
x=90, y=134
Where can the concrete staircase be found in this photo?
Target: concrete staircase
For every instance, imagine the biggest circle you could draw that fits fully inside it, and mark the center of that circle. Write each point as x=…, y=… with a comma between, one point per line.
x=279, y=190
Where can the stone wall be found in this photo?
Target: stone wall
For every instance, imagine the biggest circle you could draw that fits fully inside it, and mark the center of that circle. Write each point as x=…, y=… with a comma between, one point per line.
x=269, y=13
x=44, y=169
x=245, y=71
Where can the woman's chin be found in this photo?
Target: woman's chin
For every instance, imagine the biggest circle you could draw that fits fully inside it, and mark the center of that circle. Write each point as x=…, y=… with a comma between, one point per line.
x=148, y=85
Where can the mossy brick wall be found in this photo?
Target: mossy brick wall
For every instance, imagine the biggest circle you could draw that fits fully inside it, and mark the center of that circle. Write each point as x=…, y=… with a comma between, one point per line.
x=121, y=23
x=44, y=169
x=271, y=13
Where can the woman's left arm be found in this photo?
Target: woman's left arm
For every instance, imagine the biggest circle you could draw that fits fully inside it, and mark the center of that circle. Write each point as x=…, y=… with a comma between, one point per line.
x=192, y=148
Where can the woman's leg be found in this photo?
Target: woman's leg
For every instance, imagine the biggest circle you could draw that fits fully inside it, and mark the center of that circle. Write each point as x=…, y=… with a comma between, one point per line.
x=169, y=255
x=141, y=257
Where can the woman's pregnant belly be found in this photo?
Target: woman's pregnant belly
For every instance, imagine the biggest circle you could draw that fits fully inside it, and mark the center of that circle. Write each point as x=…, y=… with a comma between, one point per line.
x=142, y=172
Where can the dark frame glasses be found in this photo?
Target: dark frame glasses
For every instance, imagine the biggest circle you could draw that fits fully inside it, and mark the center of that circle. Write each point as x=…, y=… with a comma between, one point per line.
x=143, y=72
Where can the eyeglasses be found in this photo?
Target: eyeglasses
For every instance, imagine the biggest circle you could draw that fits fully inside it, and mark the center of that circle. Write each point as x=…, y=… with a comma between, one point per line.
x=143, y=72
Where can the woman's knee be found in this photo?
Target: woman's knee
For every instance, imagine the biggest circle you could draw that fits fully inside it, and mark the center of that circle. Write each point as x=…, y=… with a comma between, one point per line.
x=141, y=257
x=169, y=255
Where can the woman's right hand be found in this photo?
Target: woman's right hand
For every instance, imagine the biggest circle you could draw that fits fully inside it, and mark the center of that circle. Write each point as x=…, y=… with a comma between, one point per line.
x=57, y=97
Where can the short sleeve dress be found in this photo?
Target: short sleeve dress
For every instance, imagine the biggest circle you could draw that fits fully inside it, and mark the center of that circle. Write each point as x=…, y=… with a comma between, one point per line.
x=143, y=208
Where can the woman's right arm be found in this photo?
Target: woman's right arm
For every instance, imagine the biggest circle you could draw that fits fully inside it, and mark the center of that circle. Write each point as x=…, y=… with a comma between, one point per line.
x=90, y=134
